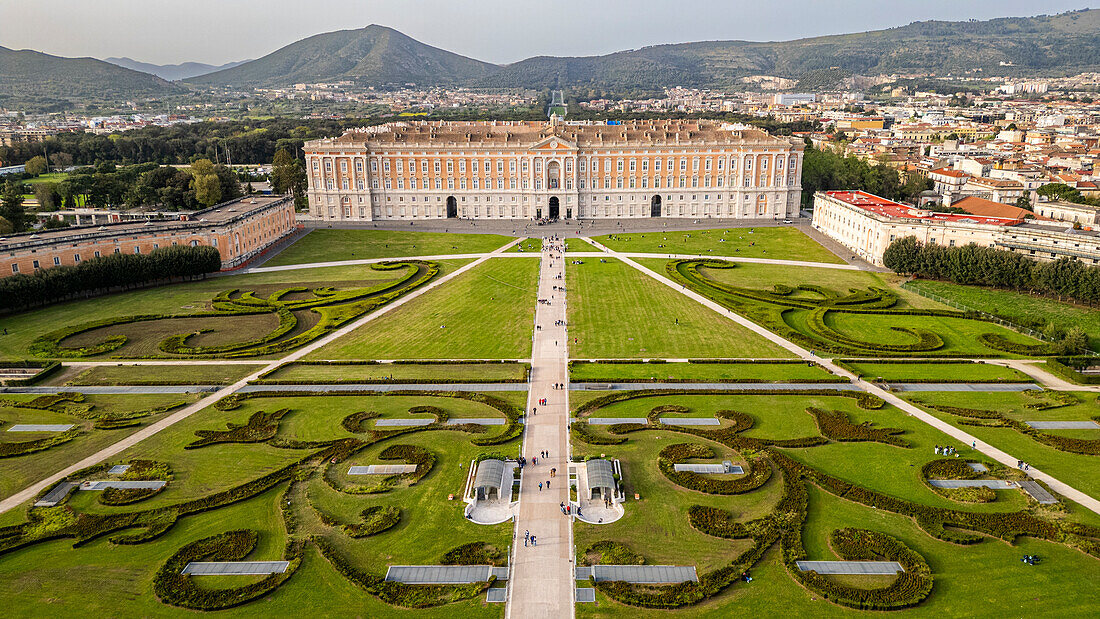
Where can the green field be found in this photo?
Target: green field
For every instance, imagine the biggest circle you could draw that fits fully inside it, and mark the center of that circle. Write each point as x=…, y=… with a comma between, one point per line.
x=24, y=327
x=1080, y=471
x=210, y=374
x=617, y=312
x=699, y=372
x=938, y=372
x=1023, y=309
x=656, y=526
x=485, y=313
x=768, y=242
x=400, y=372
x=19, y=472
x=429, y=525
x=788, y=308
x=327, y=245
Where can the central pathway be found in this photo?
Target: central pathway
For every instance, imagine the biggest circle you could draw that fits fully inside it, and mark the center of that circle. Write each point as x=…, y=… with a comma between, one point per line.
x=541, y=583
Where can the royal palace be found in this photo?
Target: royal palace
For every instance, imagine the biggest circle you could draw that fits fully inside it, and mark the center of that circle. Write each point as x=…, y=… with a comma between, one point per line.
x=574, y=170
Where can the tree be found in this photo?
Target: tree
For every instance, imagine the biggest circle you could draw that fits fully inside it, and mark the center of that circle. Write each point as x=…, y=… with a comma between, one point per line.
x=36, y=166
x=1024, y=202
x=61, y=160
x=901, y=255
x=282, y=172
x=11, y=205
x=48, y=197
x=5, y=226
x=208, y=189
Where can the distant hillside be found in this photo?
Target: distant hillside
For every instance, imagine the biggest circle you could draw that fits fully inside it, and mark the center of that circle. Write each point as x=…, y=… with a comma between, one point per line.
x=41, y=81
x=172, y=72
x=376, y=55
x=373, y=55
x=1066, y=43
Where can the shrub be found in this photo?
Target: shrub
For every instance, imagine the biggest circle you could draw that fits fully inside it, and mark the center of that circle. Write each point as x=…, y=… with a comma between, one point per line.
x=837, y=426
x=174, y=588
x=609, y=552
x=261, y=427
x=375, y=520
x=758, y=474
x=474, y=553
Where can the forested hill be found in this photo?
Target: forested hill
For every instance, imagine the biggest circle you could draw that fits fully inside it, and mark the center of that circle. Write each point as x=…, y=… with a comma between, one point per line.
x=41, y=81
x=376, y=55
x=371, y=55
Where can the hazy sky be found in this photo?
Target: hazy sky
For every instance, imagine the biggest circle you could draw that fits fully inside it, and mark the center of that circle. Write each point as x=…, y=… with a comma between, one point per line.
x=218, y=31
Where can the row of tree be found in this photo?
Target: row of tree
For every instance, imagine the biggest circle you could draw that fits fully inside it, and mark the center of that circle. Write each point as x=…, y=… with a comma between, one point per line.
x=147, y=184
x=986, y=266
x=828, y=170
x=100, y=275
x=1064, y=278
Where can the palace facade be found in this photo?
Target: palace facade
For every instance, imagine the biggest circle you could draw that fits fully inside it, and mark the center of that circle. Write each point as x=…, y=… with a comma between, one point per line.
x=556, y=169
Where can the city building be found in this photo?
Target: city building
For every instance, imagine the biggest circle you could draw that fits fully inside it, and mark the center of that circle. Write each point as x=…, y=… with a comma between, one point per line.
x=866, y=224
x=1083, y=214
x=535, y=170
x=239, y=229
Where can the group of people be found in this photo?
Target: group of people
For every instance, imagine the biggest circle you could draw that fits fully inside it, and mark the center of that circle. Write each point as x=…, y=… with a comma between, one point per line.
x=1031, y=559
x=1023, y=466
x=946, y=451
x=559, y=385
x=542, y=402
x=529, y=539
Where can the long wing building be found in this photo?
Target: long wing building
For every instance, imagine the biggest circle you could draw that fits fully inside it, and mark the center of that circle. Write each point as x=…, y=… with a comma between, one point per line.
x=534, y=170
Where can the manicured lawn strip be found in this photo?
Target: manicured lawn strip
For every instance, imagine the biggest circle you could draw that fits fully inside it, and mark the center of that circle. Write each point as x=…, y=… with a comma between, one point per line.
x=937, y=372
x=19, y=472
x=328, y=245
x=617, y=312
x=579, y=244
x=871, y=328
x=486, y=313
x=207, y=374
x=397, y=373
x=430, y=525
x=56, y=576
x=1080, y=471
x=657, y=526
x=1024, y=309
x=780, y=243
x=885, y=468
x=766, y=276
x=195, y=296
x=796, y=371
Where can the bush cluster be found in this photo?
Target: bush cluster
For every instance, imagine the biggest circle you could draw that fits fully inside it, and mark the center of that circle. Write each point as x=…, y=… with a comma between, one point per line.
x=474, y=553
x=760, y=471
x=837, y=426
x=174, y=588
x=261, y=427
x=375, y=520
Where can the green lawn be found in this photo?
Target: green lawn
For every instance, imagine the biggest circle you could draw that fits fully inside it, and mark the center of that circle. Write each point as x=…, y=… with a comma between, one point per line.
x=399, y=372
x=699, y=372
x=430, y=525
x=23, y=328
x=327, y=245
x=1080, y=471
x=959, y=335
x=1021, y=308
x=617, y=312
x=212, y=374
x=939, y=372
x=485, y=313
x=19, y=472
x=780, y=243
x=657, y=527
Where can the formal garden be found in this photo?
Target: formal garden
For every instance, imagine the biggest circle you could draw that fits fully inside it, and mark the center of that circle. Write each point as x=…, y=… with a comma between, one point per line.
x=218, y=422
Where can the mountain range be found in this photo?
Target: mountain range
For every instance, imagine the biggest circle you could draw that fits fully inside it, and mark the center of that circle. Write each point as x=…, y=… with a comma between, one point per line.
x=379, y=56
x=172, y=72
